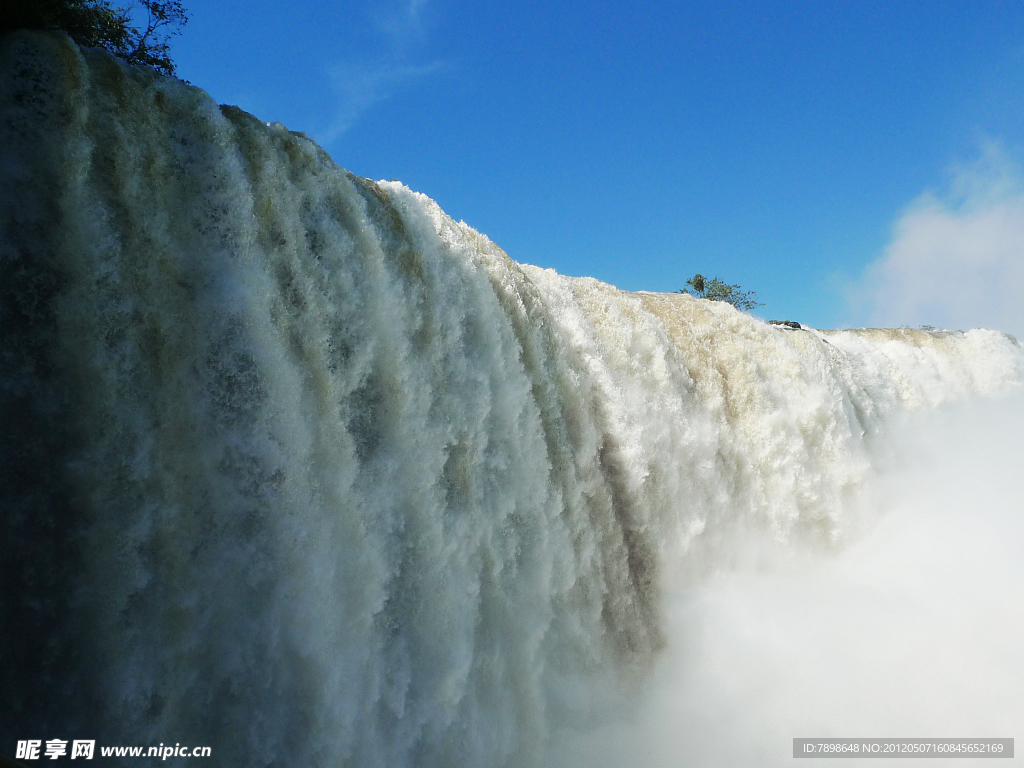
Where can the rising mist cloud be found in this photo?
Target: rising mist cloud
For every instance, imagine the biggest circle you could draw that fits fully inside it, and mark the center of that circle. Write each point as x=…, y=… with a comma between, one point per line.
x=957, y=259
x=911, y=630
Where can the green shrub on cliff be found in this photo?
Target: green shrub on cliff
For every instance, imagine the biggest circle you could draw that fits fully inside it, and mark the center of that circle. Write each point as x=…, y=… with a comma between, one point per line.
x=97, y=24
x=717, y=290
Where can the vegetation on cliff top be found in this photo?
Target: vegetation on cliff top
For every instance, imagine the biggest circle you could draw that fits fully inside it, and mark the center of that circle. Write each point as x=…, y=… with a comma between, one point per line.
x=98, y=24
x=717, y=290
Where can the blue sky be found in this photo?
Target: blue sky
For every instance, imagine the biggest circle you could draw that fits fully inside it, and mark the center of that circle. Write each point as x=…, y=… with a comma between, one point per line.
x=790, y=147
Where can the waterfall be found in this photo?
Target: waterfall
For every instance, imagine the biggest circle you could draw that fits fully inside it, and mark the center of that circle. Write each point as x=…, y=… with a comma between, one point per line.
x=298, y=467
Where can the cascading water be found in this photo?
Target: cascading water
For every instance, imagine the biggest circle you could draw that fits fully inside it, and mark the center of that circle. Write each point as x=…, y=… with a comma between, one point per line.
x=297, y=467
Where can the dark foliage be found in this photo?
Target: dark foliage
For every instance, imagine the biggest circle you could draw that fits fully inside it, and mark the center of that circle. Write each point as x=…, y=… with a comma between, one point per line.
x=716, y=290
x=98, y=24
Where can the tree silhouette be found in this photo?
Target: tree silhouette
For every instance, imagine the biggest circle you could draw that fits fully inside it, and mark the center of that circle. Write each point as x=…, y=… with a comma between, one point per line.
x=98, y=24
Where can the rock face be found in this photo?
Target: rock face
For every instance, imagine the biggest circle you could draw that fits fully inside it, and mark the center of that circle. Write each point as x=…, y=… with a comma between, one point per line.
x=786, y=323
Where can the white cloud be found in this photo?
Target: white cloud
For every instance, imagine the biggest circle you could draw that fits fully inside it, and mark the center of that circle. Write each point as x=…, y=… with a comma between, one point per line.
x=957, y=260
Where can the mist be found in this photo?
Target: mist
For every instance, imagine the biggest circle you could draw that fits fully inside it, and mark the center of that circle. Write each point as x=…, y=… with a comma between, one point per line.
x=911, y=630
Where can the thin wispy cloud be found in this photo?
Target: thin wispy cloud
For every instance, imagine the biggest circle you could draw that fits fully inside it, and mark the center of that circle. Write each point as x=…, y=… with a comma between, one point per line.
x=956, y=259
x=403, y=24
x=360, y=86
